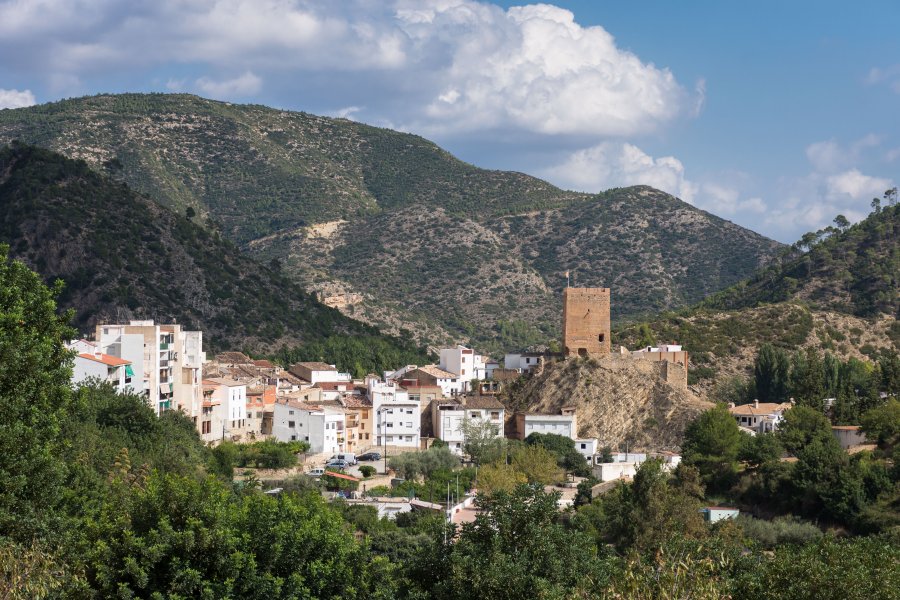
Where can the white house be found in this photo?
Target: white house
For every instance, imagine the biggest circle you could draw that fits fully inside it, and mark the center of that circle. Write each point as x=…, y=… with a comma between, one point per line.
x=101, y=367
x=321, y=426
x=314, y=372
x=587, y=447
x=232, y=396
x=614, y=470
x=448, y=415
x=464, y=363
x=524, y=362
x=763, y=417
x=397, y=417
x=564, y=424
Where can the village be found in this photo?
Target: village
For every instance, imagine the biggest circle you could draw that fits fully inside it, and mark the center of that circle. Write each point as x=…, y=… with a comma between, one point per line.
x=352, y=426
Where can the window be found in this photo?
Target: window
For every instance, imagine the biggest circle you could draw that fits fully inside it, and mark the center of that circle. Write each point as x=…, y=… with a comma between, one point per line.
x=409, y=424
x=463, y=372
x=291, y=424
x=474, y=415
x=495, y=414
x=290, y=412
x=601, y=337
x=362, y=425
x=584, y=446
x=293, y=438
x=409, y=411
x=389, y=424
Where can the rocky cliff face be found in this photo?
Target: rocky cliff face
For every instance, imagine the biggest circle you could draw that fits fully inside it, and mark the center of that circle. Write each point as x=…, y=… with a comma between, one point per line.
x=618, y=400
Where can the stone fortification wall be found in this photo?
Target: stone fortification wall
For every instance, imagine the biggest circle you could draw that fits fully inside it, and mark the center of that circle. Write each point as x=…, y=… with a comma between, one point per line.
x=586, y=322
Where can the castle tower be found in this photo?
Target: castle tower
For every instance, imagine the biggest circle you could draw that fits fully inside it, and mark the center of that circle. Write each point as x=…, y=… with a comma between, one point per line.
x=586, y=325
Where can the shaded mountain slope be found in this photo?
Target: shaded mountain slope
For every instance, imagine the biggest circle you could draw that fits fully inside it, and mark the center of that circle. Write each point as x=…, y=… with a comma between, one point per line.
x=124, y=256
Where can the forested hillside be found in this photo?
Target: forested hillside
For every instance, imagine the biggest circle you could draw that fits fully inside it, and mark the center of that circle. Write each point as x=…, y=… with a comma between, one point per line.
x=839, y=292
x=390, y=228
x=121, y=255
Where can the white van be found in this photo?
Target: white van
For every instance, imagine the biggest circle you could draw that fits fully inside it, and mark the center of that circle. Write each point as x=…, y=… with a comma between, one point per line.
x=316, y=472
x=350, y=457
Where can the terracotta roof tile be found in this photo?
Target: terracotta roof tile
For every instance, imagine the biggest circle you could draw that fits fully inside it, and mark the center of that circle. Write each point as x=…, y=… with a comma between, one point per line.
x=106, y=359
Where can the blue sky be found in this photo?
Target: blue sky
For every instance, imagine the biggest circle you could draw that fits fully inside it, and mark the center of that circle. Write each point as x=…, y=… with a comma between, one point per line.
x=776, y=115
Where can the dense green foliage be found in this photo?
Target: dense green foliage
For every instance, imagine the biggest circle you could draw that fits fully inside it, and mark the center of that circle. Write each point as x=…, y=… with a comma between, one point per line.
x=853, y=270
x=34, y=397
x=266, y=454
x=412, y=465
x=563, y=448
x=712, y=443
x=358, y=355
x=128, y=507
x=123, y=255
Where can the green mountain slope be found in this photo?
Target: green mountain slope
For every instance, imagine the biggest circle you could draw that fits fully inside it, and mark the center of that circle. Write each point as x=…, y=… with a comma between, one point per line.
x=855, y=271
x=389, y=227
x=841, y=296
x=124, y=256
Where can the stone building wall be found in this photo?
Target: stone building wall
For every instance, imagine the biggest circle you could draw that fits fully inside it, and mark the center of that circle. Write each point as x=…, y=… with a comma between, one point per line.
x=586, y=322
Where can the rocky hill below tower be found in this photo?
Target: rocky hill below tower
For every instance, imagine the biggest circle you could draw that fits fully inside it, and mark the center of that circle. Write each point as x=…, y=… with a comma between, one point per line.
x=618, y=401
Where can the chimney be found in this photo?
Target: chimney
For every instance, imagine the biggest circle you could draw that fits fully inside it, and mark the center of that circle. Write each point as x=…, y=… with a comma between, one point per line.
x=756, y=404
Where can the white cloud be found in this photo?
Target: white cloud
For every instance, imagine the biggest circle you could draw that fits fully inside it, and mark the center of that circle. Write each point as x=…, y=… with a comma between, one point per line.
x=830, y=156
x=438, y=66
x=16, y=98
x=615, y=164
x=854, y=185
x=887, y=75
x=246, y=84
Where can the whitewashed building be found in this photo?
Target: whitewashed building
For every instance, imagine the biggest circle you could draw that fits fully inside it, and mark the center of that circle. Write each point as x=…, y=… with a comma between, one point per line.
x=564, y=424
x=91, y=364
x=321, y=426
x=397, y=418
x=447, y=417
x=587, y=447
x=762, y=417
x=232, y=397
x=523, y=362
x=464, y=363
x=166, y=362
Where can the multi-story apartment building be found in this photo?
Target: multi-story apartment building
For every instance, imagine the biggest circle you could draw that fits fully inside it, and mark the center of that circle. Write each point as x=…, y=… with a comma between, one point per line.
x=166, y=360
x=397, y=418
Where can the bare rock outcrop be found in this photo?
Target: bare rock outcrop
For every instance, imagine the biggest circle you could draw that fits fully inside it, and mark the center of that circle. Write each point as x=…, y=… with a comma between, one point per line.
x=618, y=400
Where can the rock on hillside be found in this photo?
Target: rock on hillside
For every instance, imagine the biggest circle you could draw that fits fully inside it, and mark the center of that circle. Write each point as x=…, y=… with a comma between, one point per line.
x=617, y=400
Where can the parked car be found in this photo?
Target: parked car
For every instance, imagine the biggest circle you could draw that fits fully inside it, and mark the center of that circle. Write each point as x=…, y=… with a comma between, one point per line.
x=316, y=472
x=350, y=457
x=369, y=456
x=337, y=463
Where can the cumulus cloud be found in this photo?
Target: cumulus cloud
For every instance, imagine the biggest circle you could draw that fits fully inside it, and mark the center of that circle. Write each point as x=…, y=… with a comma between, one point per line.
x=246, y=84
x=438, y=65
x=616, y=164
x=853, y=185
x=16, y=98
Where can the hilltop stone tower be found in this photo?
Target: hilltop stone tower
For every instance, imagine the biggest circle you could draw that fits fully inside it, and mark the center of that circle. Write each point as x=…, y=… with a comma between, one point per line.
x=586, y=324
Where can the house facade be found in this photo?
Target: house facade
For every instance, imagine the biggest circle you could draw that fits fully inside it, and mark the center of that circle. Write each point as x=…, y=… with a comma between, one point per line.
x=760, y=417
x=397, y=418
x=449, y=414
x=321, y=426
x=564, y=424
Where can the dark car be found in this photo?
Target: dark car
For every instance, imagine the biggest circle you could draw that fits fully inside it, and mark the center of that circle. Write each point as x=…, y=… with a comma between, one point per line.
x=369, y=456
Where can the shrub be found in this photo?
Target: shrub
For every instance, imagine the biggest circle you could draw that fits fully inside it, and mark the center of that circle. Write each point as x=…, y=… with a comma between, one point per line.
x=782, y=530
x=367, y=470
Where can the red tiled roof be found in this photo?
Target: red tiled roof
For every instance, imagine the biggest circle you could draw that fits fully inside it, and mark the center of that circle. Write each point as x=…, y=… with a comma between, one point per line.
x=342, y=476
x=106, y=359
x=845, y=427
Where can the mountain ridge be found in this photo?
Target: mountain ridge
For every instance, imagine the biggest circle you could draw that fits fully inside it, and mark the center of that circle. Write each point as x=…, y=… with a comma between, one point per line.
x=268, y=178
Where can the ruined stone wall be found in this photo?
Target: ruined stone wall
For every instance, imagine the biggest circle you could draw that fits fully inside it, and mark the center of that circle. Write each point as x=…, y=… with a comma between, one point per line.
x=586, y=322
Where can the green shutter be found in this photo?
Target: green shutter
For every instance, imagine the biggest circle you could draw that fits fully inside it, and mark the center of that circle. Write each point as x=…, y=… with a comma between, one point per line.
x=129, y=372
